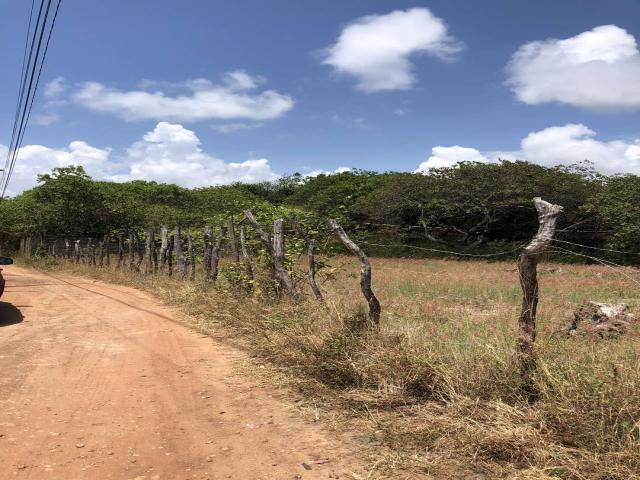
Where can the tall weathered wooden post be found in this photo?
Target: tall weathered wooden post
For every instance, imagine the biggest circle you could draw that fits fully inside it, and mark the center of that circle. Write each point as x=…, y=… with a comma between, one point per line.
x=206, y=257
x=527, y=268
x=311, y=260
x=180, y=259
x=192, y=258
x=365, y=273
x=233, y=241
x=246, y=258
x=276, y=252
x=148, y=250
x=215, y=255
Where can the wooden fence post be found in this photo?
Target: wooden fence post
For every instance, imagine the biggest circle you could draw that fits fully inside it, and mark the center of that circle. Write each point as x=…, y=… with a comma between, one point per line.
x=107, y=250
x=120, y=250
x=311, y=260
x=365, y=273
x=101, y=253
x=278, y=247
x=215, y=255
x=246, y=258
x=148, y=247
x=206, y=260
x=131, y=252
x=164, y=248
x=527, y=268
x=281, y=273
x=192, y=258
x=91, y=246
x=233, y=242
x=67, y=249
x=77, y=250
x=180, y=259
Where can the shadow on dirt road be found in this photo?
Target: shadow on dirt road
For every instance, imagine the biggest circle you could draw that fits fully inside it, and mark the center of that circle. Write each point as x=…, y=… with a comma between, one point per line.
x=9, y=314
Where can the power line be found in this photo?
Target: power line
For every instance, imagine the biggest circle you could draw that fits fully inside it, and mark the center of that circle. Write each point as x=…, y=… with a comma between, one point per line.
x=23, y=77
x=27, y=105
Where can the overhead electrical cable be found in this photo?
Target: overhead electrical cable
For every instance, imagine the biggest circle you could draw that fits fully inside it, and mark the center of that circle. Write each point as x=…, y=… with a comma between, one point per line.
x=26, y=102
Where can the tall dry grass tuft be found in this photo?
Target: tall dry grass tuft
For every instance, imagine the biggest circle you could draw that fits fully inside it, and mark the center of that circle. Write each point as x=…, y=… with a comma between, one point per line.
x=436, y=390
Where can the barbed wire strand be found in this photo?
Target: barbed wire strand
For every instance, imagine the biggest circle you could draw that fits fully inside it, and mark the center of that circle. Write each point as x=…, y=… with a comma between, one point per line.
x=485, y=255
x=595, y=248
x=614, y=266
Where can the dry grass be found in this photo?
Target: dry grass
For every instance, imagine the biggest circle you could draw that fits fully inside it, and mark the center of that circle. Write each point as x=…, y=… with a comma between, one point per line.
x=436, y=390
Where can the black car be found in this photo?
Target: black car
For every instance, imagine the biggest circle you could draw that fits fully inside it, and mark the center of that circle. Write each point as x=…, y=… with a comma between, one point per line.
x=4, y=261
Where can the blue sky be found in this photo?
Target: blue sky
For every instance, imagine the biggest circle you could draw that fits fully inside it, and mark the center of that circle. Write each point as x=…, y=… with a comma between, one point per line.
x=321, y=85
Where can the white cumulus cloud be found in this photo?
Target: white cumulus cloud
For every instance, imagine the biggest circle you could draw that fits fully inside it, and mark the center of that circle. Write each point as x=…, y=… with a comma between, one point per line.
x=376, y=49
x=169, y=153
x=563, y=145
x=449, y=156
x=315, y=173
x=197, y=100
x=597, y=70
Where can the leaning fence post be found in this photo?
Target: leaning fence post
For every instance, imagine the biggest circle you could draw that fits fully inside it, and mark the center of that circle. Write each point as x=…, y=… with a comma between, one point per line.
x=278, y=265
x=365, y=273
x=527, y=268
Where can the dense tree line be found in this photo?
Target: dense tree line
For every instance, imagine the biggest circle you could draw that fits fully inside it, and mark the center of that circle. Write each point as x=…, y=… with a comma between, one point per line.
x=475, y=207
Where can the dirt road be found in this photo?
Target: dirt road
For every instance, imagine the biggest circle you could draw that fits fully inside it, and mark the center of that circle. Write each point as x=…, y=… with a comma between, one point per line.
x=98, y=382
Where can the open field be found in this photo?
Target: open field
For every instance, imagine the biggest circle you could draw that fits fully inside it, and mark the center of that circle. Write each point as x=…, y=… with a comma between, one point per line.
x=436, y=390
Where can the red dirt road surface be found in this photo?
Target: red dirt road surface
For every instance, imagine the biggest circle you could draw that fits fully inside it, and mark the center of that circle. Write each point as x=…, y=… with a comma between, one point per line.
x=98, y=382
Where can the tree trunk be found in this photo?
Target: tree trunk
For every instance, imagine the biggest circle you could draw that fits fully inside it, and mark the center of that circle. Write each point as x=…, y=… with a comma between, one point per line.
x=215, y=255
x=233, y=242
x=365, y=273
x=246, y=258
x=206, y=261
x=277, y=258
x=527, y=268
x=180, y=259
